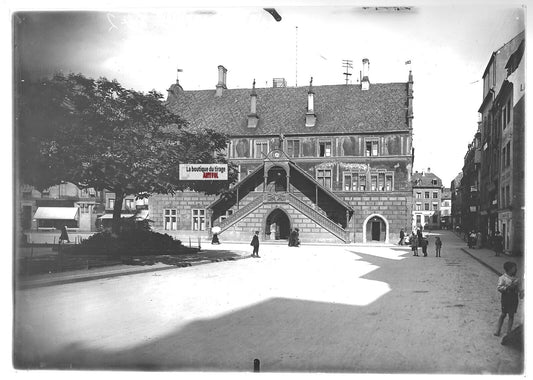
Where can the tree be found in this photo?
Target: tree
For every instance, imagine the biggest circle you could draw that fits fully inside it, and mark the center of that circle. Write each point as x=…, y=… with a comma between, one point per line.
x=96, y=133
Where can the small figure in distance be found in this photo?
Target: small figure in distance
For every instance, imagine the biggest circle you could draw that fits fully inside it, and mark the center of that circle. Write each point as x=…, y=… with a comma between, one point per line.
x=255, y=244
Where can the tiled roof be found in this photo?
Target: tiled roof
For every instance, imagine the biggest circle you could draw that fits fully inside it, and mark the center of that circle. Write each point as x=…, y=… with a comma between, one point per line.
x=338, y=108
x=424, y=180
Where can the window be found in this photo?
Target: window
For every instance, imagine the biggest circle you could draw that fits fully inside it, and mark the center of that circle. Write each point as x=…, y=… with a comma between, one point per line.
x=362, y=182
x=324, y=149
x=426, y=206
x=508, y=111
x=418, y=195
x=261, y=149
x=293, y=148
x=198, y=220
x=350, y=181
x=504, y=117
x=418, y=207
x=129, y=204
x=373, y=182
x=111, y=202
x=227, y=214
x=426, y=219
x=503, y=197
x=435, y=206
x=371, y=148
x=389, y=182
x=508, y=194
x=503, y=155
x=435, y=218
x=418, y=219
x=426, y=194
x=170, y=219
x=381, y=181
x=323, y=176
x=84, y=208
x=434, y=182
x=508, y=155
x=435, y=194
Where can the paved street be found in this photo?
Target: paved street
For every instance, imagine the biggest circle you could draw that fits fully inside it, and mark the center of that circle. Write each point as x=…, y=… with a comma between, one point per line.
x=313, y=308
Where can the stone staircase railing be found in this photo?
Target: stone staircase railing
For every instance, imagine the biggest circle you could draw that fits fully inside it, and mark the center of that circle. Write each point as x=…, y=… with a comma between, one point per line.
x=284, y=197
x=239, y=214
x=318, y=218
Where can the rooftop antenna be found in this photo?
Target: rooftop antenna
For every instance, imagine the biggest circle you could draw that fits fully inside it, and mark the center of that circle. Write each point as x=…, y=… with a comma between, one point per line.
x=347, y=64
x=296, y=56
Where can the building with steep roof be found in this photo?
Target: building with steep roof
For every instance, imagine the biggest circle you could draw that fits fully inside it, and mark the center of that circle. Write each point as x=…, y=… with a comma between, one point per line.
x=502, y=149
x=333, y=161
x=427, y=198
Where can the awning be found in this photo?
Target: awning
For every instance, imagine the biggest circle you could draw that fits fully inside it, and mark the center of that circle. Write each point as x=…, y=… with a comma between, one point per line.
x=110, y=216
x=61, y=213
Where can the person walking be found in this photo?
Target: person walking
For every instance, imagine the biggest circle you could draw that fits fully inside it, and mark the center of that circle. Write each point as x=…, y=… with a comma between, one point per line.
x=498, y=243
x=64, y=235
x=297, y=241
x=402, y=237
x=292, y=238
x=471, y=239
x=255, y=244
x=438, y=246
x=424, y=244
x=478, y=239
x=510, y=288
x=414, y=244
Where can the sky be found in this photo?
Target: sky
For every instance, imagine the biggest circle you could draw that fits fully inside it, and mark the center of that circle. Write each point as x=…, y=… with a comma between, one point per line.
x=448, y=43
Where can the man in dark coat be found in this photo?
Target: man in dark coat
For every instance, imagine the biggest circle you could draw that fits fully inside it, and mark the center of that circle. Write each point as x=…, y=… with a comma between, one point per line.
x=402, y=236
x=64, y=235
x=255, y=244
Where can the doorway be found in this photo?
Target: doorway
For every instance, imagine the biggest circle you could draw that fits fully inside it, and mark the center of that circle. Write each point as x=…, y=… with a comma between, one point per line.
x=376, y=229
x=278, y=225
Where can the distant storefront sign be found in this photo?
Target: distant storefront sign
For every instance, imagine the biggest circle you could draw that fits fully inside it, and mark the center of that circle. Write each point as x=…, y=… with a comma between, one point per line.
x=202, y=172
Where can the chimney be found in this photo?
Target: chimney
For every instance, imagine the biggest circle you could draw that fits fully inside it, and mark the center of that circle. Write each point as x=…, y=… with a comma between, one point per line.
x=310, y=117
x=252, y=116
x=429, y=170
x=365, y=82
x=221, y=85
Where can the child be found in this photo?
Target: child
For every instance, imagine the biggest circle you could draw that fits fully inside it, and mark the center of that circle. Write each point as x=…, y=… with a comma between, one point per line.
x=255, y=244
x=438, y=246
x=509, y=287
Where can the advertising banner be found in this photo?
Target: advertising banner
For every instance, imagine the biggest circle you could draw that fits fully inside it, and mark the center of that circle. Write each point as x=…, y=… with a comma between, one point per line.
x=203, y=172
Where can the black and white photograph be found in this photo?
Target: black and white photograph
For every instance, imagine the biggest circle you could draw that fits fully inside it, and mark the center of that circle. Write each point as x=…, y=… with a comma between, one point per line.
x=301, y=187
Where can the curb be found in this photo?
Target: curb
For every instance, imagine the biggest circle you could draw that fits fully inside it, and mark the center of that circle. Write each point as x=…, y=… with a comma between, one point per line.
x=22, y=285
x=482, y=262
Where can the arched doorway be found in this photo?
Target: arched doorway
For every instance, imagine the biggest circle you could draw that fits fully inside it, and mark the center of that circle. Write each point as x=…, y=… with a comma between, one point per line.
x=276, y=179
x=278, y=225
x=375, y=229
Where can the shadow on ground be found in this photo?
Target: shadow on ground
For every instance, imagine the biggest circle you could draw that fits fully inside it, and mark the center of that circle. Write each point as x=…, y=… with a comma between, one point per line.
x=404, y=331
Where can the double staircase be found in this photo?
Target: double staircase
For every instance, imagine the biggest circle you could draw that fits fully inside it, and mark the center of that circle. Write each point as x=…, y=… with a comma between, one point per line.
x=289, y=198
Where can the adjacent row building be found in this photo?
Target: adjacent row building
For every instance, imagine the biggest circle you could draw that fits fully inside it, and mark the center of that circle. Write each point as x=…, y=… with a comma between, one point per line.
x=492, y=186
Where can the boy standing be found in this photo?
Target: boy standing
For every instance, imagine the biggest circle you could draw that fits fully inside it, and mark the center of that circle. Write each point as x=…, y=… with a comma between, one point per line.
x=438, y=246
x=509, y=287
x=255, y=244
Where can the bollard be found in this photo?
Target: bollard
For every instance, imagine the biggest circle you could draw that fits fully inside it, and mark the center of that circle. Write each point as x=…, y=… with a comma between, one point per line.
x=199, y=244
x=257, y=365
